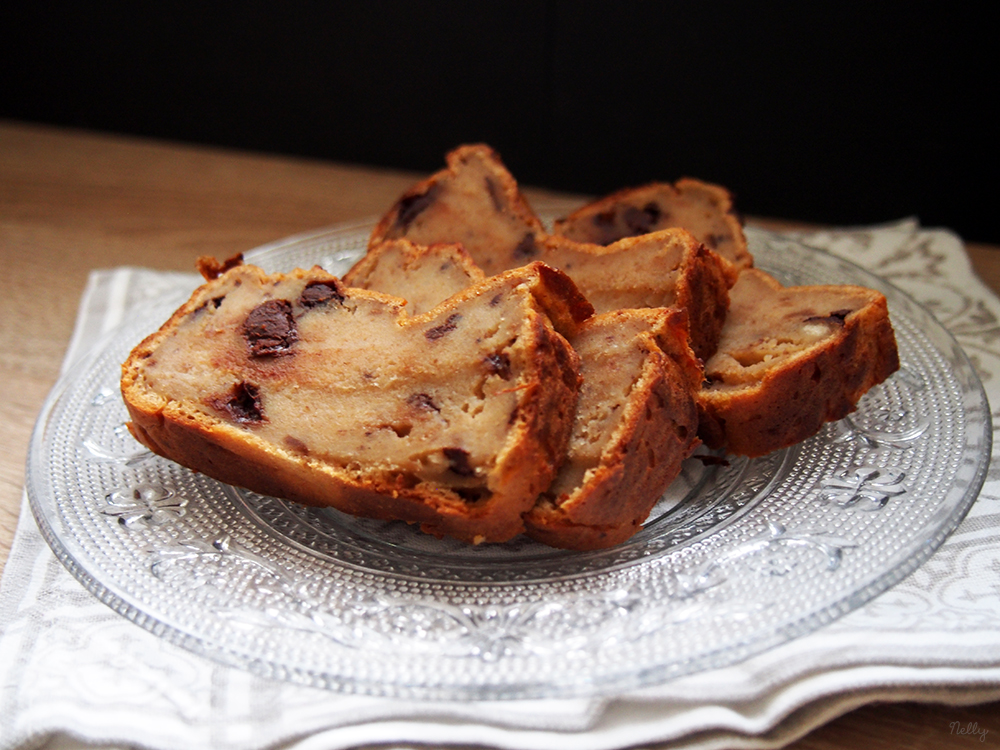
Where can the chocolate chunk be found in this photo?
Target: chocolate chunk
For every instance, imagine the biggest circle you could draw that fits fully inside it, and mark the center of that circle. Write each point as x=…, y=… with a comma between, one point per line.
x=423, y=401
x=447, y=327
x=411, y=206
x=242, y=404
x=641, y=221
x=526, y=248
x=270, y=329
x=604, y=223
x=499, y=364
x=215, y=303
x=837, y=316
x=296, y=445
x=494, y=190
x=714, y=240
x=458, y=461
x=604, y=218
x=318, y=293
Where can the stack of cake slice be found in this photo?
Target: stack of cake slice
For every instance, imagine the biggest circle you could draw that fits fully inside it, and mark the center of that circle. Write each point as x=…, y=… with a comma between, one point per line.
x=481, y=377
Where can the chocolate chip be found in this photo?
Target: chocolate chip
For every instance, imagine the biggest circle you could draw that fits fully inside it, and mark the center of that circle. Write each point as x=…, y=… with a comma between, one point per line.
x=423, y=401
x=641, y=221
x=296, y=445
x=837, y=316
x=604, y=218
x=270, y=329
x=714, y=240
x=242, y=404
x=215, y=303
x=458, y=461
x=411, y=206
x=526, y=248
x=447, y=327
x=494, y=190
x=318, y=293
x=499, y=364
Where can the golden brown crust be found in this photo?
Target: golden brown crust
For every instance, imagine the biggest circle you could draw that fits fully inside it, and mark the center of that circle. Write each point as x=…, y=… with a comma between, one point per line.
x=752, y=406
x=703, y=283
x=653, y=432
x=704, y=209
x=536, y=430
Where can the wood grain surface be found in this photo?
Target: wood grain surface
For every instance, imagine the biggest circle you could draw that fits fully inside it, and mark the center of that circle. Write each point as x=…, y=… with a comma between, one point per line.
x=72, y=201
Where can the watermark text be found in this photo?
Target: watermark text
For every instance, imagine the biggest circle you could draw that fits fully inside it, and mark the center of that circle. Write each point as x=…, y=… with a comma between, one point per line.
x=970, y=728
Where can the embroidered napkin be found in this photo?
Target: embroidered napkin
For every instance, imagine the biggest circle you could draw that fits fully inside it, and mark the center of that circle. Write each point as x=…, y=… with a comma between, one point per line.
x=73, y=673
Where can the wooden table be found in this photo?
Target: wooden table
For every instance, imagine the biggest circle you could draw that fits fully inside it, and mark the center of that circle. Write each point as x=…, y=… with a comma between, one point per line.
x=72, y=201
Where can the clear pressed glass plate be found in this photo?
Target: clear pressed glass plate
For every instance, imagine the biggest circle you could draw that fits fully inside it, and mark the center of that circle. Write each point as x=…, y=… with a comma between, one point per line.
x=738, y=556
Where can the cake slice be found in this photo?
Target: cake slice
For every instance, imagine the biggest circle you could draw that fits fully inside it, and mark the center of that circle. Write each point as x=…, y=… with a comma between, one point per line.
x=703, y=209
x=423, y=275
x=473, y=201
x=791, y=359
x=297, y=386
x=636, y=422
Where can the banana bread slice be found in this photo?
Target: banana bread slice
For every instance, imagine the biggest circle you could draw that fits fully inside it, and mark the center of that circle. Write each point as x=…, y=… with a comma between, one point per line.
x=473, y=201
x=791, y=359
x=423, y=275
x=636, y=422
x=704, y=209
x=297, y=386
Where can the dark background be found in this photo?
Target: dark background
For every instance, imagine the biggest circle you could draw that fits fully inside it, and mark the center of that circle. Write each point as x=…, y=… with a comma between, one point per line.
x=828, y=113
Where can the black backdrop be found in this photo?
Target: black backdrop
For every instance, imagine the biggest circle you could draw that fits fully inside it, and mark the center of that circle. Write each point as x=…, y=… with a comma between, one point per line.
x=834, y=113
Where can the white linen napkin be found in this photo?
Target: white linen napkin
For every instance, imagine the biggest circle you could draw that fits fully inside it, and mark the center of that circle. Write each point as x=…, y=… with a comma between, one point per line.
x=73, y=673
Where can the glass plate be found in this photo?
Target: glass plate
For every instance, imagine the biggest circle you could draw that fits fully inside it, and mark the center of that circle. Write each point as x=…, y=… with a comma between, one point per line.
x=738, y=556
